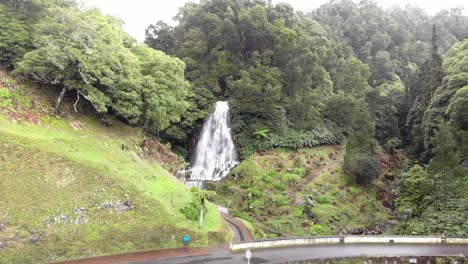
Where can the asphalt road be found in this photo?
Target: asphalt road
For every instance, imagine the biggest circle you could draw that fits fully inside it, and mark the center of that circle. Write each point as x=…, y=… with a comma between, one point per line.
x=286, y=255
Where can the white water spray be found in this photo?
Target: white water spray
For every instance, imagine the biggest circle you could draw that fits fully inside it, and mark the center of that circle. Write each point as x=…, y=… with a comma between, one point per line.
x=215, y=154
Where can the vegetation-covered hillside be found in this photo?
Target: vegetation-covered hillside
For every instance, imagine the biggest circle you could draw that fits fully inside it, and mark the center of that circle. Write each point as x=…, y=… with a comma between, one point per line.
x=72, y=187
x=306, y=192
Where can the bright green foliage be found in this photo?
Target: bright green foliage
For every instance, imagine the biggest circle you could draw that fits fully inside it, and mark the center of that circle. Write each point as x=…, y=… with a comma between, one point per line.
x=290, y=178
x=414, y=190
x=192, y=210
x=352, y=77
x=163, y=88
x=51, y=169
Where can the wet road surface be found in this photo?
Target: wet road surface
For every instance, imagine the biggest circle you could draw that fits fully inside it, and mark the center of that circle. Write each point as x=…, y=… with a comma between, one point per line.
x=285, y=255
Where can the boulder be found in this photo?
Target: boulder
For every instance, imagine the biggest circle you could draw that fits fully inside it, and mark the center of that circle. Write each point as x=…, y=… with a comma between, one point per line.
x=34, y=239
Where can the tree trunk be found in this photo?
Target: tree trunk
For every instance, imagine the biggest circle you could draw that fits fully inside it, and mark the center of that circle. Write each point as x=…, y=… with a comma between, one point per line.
x=202, y=210
x=60, y=99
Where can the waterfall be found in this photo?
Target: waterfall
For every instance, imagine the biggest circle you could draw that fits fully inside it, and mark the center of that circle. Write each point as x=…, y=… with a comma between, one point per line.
x=215, y=154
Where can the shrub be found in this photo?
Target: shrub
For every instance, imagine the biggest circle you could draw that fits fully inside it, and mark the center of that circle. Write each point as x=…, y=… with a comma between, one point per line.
x=297, y=162
x=323, y=199
x=299, y=171
x=280, y=200
x=319, y=230
x=255, y=193
x=290, y=178
x=364, y=167
x=279, y=186
x=266, y=178
x=192, y=210
x=354, y=190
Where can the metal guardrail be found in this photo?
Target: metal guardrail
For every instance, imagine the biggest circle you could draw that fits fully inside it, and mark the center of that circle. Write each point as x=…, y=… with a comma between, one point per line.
x=326, y=240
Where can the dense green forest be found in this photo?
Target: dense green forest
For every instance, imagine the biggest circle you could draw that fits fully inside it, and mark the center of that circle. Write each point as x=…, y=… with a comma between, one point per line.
x=347, y=72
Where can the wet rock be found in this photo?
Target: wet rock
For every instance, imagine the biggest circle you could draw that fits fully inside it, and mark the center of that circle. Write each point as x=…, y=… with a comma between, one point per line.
x=356, y=231
x=118, y=206
x=3, y=225
x=34, y=239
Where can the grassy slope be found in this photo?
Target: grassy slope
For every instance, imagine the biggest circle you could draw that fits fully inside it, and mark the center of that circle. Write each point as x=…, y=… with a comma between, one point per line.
x=50, y=170
x=258, y=191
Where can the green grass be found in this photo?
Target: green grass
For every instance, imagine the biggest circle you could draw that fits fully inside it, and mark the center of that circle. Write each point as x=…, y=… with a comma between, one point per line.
x=51, y=170
x=342, y=203
x=283, y=177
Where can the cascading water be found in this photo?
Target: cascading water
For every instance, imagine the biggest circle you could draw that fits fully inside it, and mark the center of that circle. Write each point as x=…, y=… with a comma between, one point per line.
x=215, y=154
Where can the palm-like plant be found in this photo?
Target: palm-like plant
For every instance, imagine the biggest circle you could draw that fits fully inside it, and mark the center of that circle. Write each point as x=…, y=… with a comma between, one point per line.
x=202, y=195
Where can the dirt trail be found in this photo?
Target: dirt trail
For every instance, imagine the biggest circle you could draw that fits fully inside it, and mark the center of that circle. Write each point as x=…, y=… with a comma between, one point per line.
x=310, y=177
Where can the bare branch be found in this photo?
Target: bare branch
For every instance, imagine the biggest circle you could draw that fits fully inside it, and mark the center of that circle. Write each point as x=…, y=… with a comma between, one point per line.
x=77, y=99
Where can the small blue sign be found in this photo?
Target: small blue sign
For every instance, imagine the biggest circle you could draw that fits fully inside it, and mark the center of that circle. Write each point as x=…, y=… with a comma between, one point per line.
x=186, y=240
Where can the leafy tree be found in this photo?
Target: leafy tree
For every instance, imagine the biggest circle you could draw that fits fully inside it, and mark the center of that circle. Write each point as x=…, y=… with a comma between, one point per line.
x=454, y=65
x=258, y=90
x=414, y=190
x=448, y=179
x=77, y=50
x=160, y=37
x=360, y=159
x=163, y=88
x=363, y=166
x=14, y=36
x=352, y=77
x=384, y=103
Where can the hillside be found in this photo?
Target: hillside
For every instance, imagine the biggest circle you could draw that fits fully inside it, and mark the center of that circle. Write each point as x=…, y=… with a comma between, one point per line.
x=72, y=187
x=305, y=192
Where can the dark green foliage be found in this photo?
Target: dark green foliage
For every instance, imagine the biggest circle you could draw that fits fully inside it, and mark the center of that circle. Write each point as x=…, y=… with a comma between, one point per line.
x=438, y=195
x=14, y=36
x=455, y=78
x=448, y=221
x=352, y=77
x=414, y=189
x=364, y=167
x=265, y=58
x=383, y=103
x=448, y=180
x=296, y=139
x=360, y=160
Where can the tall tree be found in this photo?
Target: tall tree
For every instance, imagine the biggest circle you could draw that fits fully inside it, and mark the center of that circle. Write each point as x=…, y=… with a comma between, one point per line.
x=77, y=50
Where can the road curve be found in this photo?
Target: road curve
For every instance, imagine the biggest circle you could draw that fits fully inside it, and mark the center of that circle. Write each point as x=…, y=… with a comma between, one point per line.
x=286, y=255
x=241, y=233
